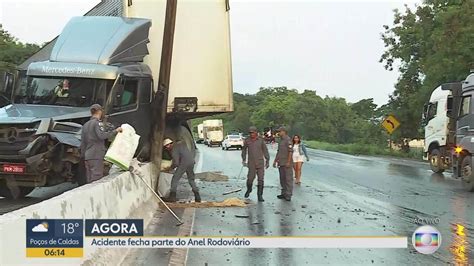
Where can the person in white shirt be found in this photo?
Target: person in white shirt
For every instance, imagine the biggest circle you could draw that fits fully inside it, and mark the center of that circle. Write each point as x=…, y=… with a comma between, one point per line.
x=299, y=156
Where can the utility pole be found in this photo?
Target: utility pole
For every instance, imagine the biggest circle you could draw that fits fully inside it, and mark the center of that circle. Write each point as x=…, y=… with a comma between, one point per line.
x=160, y=102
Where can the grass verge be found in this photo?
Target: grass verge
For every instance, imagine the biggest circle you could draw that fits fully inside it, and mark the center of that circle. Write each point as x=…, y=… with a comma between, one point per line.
x=365, y=149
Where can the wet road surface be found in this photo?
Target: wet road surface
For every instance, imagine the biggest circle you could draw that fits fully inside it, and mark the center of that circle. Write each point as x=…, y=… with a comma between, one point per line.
x=340, y=195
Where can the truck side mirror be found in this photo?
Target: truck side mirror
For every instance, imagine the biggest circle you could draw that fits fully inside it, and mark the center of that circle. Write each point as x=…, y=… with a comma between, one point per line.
x=449, y=107
x=7, y=81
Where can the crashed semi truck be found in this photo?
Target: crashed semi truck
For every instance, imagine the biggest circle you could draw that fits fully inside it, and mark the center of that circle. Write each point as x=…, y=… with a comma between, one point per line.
x=115, y=62
x=452, y=138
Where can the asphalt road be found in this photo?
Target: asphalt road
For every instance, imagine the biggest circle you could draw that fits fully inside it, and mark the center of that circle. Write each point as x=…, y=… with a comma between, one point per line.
x=341, y=195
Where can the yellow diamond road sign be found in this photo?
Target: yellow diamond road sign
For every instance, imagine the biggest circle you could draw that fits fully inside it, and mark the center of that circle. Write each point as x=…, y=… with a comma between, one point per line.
x=390, y=124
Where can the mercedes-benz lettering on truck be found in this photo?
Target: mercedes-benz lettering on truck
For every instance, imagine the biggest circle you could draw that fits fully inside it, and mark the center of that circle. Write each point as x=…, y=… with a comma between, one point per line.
x=213, y=132
x=115, y=62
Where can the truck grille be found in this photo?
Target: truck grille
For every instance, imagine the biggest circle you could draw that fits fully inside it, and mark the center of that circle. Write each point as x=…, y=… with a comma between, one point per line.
x=14, y=138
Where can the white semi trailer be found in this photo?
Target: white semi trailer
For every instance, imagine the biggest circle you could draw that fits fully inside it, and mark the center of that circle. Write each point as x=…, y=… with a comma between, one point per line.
x=213, y=130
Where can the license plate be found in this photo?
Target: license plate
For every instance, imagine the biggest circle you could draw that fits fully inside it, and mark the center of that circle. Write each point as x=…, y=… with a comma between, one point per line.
x=14, y=168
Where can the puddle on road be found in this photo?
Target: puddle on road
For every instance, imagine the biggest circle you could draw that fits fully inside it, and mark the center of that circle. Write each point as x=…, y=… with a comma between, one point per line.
x=405, y=170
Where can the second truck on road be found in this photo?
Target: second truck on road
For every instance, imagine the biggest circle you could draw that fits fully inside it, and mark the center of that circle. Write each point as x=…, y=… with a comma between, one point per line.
x=449, y=130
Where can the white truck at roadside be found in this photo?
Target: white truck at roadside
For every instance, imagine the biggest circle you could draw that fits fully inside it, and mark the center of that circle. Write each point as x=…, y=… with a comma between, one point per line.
x=439, y=130
x=200, y=134
x=213, y=131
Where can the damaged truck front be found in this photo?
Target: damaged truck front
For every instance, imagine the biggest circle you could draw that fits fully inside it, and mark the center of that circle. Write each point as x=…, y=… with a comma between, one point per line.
x=109, y=61
x=115, y=62
x=40, y=131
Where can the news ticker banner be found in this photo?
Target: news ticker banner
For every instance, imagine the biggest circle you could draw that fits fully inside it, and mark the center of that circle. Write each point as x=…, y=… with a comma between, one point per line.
x=67, y=238
x=247, y=242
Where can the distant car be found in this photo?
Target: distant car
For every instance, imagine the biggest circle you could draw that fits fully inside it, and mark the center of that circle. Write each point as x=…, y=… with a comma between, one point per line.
x=233, y=141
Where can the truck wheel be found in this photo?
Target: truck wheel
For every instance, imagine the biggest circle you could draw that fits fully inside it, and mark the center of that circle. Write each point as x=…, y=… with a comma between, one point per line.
x=467, y=174
x=6, y=193
x=435, y=161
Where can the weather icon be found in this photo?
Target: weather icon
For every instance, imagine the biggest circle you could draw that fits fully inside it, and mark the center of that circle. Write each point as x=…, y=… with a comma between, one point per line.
x=41, y=228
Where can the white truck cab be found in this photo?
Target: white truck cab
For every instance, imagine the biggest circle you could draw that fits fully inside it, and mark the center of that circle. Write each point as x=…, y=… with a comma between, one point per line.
x=439, y=137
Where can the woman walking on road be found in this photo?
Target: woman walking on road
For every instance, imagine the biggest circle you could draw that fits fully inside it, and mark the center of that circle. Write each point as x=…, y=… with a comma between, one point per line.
x=299, y=154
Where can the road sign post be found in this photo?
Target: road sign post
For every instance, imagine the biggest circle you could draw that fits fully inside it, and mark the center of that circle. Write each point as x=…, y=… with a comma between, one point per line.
x=390, y=124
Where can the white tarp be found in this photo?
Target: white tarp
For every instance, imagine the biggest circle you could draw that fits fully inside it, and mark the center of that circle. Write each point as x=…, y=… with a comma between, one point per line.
x=123, y=147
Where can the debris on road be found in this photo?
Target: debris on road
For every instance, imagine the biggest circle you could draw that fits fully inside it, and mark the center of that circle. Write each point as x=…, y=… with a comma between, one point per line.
x=232, y=191
x=231, y=202
x=212, y=176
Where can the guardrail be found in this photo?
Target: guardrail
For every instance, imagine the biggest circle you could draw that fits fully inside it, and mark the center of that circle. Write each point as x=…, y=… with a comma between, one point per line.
x=117, y=196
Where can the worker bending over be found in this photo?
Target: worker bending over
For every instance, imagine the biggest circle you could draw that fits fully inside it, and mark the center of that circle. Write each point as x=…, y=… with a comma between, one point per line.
x=183, y=161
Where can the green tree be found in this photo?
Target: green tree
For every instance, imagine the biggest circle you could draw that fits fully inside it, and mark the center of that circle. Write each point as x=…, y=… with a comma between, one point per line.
x=366, y=108
x=13, y=52
x=432, y=45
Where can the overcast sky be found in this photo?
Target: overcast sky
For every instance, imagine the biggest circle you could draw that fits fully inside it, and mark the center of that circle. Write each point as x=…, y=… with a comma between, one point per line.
x=332, y=47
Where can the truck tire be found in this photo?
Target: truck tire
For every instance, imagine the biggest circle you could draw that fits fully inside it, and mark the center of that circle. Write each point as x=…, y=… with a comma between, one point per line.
x=6, y=193
x=435, y=161
x=467, y=175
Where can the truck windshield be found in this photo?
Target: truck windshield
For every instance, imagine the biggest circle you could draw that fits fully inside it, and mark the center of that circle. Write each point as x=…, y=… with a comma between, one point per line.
x=62, y=91
x=214, y=128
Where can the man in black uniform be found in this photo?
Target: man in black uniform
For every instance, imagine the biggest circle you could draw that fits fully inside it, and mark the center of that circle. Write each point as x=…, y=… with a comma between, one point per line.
x=93, y=149
x=183, y=161
x=284, y=161
x=257, y=160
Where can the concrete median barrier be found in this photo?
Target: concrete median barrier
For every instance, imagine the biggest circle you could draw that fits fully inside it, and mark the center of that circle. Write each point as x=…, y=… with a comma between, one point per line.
x=119, y=195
